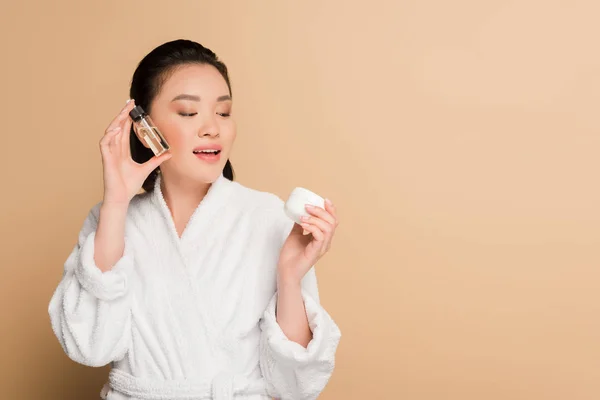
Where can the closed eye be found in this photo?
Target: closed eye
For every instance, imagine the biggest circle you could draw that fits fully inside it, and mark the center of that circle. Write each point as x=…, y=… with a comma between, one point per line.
x=224, y=114
x=187, y=114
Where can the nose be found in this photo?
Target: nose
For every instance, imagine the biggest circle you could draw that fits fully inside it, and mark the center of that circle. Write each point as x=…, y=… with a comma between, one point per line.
x=209, y=128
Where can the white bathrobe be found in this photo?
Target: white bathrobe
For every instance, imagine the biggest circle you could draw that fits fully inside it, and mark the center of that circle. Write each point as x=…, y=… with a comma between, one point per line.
x=193, y=317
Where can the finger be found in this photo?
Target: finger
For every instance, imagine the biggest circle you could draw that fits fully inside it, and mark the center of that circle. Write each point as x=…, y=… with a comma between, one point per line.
x=315, y=231
x=330, y=208
x=115, y=143
x=154, y=162
x=320, y=213
x=122, y=115
x=324, y=226
x=105, y=151
x=297, y=229
x=125, y=144
x=108, y=137
x=120, y=119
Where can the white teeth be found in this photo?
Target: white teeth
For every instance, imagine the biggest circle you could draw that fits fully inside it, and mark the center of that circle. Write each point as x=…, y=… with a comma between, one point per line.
x=206, y=151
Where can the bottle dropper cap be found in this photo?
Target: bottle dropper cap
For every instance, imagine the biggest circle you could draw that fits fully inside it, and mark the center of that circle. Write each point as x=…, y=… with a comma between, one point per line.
x=137, y=113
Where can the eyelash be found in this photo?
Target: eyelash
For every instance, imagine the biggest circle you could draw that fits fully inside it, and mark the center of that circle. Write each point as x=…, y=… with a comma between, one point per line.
x=225, y=115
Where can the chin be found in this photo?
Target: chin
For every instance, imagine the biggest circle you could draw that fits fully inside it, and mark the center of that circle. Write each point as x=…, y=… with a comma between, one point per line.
x=207, y=173
x=210, y=174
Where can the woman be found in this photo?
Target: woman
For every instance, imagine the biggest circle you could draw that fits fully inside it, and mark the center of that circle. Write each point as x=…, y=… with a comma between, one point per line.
x=198, y=287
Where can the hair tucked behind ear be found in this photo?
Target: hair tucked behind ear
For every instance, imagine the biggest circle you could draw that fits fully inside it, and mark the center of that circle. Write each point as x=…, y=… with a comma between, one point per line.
x=148, y=78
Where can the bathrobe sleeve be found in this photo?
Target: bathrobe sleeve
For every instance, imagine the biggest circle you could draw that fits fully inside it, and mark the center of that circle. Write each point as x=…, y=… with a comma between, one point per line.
x=290, y=370
x=90, y=309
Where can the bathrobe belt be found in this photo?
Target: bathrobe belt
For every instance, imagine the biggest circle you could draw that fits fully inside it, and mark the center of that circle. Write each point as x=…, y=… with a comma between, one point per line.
x=223, y=387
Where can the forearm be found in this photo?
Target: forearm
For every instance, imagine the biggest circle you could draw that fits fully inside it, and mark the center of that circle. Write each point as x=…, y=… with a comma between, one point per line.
x=291, y=313
x=294, y=318
x=109, y=242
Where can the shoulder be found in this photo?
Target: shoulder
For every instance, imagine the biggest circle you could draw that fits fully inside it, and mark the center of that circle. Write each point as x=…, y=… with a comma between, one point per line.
x=138, y=204
x=264, y=205
x=248, y=197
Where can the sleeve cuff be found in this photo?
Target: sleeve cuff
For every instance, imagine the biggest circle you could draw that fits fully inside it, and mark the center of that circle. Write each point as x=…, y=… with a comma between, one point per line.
x=326, y=334
x=107, y=285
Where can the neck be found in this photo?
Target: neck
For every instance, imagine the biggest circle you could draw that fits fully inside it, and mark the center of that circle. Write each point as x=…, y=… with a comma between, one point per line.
x=182, y=195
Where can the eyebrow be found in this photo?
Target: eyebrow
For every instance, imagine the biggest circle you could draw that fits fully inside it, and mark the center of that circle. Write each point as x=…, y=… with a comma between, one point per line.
x=197, y=98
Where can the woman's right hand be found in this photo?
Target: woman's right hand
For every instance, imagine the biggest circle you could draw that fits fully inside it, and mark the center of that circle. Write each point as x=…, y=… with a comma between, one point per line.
x=123, y=177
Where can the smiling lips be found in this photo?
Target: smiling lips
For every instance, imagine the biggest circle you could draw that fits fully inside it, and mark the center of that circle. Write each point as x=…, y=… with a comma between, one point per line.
x=208, y=153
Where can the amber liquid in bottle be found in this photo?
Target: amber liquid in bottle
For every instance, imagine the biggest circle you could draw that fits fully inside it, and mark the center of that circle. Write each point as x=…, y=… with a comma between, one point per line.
x=147, y=132
x=153, y=138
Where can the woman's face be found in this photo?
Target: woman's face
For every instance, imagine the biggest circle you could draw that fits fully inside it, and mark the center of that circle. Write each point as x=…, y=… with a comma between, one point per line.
x=192, y=111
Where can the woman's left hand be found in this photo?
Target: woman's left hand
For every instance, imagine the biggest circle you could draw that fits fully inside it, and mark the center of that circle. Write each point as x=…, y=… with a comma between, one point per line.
x=300, y=252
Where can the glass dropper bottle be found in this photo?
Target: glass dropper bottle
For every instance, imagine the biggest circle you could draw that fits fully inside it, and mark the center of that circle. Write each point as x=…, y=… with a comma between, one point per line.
x=147, y=132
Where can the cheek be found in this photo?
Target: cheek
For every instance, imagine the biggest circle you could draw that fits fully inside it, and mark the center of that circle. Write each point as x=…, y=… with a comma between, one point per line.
x=174, y=134
x=229, y=131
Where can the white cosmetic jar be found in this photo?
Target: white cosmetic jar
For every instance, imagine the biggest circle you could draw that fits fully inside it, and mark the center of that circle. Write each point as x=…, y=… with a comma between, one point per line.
x=295, y=206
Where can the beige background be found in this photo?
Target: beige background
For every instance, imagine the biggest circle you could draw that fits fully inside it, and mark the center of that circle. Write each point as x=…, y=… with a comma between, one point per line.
x=459, y=141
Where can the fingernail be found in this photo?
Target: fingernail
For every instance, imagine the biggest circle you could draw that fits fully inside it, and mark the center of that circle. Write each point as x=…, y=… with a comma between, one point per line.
x=310, y=207
x=127, y=102
x=328, y=202
x=304, y=218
